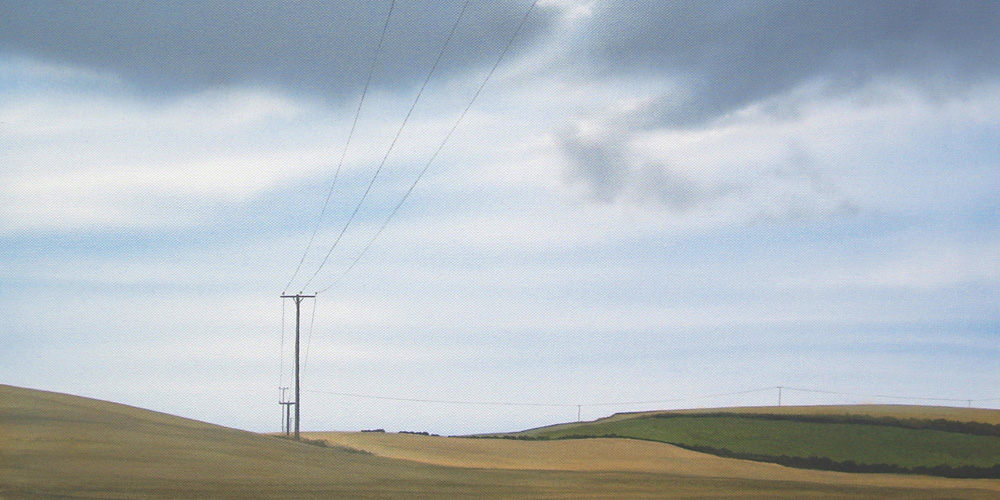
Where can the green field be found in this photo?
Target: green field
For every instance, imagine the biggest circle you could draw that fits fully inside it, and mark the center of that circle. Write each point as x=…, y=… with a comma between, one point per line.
x=857, y=440
x=56, y=446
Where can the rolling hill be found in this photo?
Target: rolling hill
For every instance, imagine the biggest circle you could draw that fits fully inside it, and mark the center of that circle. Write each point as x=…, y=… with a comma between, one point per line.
x=60, y=446
x=953, y=442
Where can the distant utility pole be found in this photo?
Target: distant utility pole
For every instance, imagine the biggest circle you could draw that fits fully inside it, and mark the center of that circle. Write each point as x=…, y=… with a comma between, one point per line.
x=298, y=302
x=286, y=412
x=779, y=394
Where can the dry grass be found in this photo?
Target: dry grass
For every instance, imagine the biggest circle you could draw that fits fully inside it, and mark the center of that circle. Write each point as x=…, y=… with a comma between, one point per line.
x=59, y=446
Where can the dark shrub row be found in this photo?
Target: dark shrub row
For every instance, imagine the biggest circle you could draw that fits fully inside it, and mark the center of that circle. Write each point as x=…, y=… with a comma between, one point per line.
x=322, y=443
x=513, y=437
x=976, y=428
x=823, y=463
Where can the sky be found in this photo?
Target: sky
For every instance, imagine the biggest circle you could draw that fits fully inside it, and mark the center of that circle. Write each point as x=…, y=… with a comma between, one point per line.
x=646, y=205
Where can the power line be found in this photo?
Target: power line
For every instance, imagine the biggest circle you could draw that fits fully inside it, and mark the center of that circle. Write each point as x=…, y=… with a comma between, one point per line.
x=379, y=169
x=630, y=403
x=312, y=320
x=371, y=183
x=399, y=132
x=552, y=405
x=447, y=137
x=343, y=155
x=677, y=400
x=281, y=349
x=888, y=396
x=441, y=401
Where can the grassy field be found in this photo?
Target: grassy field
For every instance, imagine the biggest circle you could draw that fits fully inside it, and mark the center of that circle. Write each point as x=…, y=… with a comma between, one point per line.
x=856, y=440
x=60, y=446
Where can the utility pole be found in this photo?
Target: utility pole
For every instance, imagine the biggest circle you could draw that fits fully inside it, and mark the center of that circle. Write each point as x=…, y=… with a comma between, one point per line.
x=298, y=302
x=286, y=412
x=779, y=394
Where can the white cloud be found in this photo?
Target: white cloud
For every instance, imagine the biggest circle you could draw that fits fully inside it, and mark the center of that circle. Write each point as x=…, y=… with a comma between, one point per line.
x=79, y=159
x=925, y=268
x=76, y=159
x=571, y=8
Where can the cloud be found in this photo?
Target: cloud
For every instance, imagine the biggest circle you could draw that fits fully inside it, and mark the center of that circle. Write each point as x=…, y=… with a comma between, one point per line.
x=748, y=98
x=926, y=268
x=734, y=53
x=86, y=158
x=84, y=152
x=709, y=171
x=597, y=160
x=817, y=150
x=321, y=47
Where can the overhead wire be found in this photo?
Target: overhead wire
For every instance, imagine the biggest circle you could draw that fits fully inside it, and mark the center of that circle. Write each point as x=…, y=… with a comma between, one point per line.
x=628, y=403
x=677, y=400
x=347, y=145
x=442, y=401
x=552, y=405
x=395, y=139
x=413, y=106
x=312, y=320
x=399, y=132
x=447, y=137
x=888, y=396
x=281, y=349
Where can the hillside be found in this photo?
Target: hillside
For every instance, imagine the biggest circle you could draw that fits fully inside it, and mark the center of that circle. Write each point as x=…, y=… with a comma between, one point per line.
x=928, y=440
x=895, y=411
x=60, y=446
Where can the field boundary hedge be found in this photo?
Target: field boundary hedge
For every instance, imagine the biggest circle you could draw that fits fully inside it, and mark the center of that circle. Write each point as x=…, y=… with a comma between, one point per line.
x=940, y=424
x=823, y=463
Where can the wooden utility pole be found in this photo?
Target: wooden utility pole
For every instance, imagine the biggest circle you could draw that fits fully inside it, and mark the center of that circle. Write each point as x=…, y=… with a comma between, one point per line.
x=286, y=412
x=298, y=301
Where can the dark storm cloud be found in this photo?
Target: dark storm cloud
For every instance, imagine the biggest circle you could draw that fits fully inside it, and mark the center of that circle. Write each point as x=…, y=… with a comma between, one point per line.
x=320, y=46
x=735, y=53
x=776, y=55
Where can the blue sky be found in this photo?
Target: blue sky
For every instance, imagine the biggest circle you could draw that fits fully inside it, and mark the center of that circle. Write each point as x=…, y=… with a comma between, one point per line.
x=649, y=202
